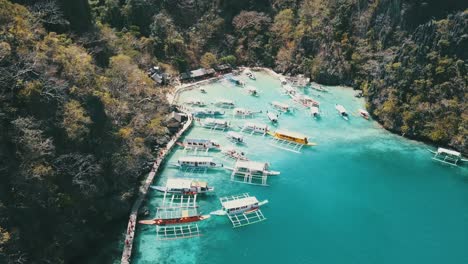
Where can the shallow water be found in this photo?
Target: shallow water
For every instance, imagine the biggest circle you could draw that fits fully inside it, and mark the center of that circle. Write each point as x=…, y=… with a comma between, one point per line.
x=362, y=195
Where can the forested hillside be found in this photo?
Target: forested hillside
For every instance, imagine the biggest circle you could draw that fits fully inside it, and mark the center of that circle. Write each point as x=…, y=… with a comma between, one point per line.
x=80, y=119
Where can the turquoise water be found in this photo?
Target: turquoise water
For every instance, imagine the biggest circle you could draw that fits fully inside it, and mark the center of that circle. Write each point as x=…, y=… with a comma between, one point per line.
x=361, y=196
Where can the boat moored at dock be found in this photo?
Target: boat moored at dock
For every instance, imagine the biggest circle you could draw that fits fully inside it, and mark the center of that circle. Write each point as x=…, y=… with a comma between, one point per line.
x=208, y=112
x=204, y=144
x=198, y=162
x=235, y=137
x=342, y=111
x=215, y=124
x=292, y=137
x=241, y=209
x=184, y=187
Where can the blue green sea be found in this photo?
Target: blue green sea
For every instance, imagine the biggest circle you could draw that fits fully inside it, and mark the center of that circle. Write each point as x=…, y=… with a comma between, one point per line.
x=362, y=195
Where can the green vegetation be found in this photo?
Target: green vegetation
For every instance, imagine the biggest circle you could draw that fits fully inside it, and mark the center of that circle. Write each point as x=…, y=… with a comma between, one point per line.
x=80, y=118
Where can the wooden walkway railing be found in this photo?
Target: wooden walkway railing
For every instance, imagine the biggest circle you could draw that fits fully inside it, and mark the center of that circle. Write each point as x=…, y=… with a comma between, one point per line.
x=127, y=251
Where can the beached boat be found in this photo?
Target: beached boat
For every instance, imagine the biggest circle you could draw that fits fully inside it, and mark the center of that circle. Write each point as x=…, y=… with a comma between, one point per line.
x=253, y=128
x=239, y=206
x=196, y=102
x=184, y=219
x=198, y=161
x=281, y=106
x=342, y=111
x=225, y=103
x=364, y=114
x=242, y=112
x=291, y=137
x=205, y=144
x=252, y=91
x=235, y=137
x=305, y=100
x=273, y=117
x=448, y=156
x=213, y=123
x=234, y=154
x=315, y=111
x=184, y=187
x=250, y=74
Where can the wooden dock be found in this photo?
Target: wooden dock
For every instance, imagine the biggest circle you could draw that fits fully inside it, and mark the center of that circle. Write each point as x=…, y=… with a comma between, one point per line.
x=130, y=235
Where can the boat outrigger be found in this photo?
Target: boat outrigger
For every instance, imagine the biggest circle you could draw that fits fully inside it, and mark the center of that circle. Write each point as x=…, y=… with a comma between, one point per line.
x=364, y=114
x=184, y=187
x=215, y=124
x=225, y=103
x=198, y=162
x=235, y=137
x=342, y=111
x=241, y=209
x=203, y=144
x=253, y=128
x=315, y=111
x=281, y=106
x=448, y=156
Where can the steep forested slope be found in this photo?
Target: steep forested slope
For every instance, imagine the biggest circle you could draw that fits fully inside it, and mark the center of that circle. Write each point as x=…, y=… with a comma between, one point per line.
x=80, y=119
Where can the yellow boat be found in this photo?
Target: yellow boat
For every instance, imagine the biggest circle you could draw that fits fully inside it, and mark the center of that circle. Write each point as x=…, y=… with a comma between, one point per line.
x=292, y=137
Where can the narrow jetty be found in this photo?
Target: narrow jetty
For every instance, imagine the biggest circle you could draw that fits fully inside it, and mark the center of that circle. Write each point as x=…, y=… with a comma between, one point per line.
x=130, y=235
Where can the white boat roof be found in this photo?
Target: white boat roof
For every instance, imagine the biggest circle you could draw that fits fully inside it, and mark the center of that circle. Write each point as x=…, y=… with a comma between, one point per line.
x=251, y=88
x=216, y=121
x=195, y=159
x=251, y=124
x=282, y=105
x=240, y=202
x=314, y=109
x=290, y=133
x=252, y=165
x=272, y=115
x=340, y=108
x=449, y=151
x=175, y=183
x=234, y=134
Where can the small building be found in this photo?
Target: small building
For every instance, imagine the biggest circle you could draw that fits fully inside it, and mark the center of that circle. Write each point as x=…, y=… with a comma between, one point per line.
x=185, y=77
x=223, y=68
x=158, y=75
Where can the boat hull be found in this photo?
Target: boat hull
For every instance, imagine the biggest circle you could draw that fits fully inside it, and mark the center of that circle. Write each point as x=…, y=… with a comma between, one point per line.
x=174, y=221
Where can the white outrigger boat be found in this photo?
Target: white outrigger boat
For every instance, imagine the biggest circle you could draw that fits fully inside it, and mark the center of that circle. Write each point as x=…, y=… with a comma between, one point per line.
x=315, y=111
x=184, y=187
x=203, y=144
x=252, y=91
x=198, y=162
x=289, y=90
x=305, y=100
x=235, y=137
x=208, y=112
x=242, y=112
x=342, y=111
x=234, y=154
x=196, y=102
x=448, y=156
x=251, y=172
x=213, y=123
x=241, y=209
x=364, y=114
x=225, y=103
x=273, y=117
x=255, y=128
x=250, y=74
x=281, y=106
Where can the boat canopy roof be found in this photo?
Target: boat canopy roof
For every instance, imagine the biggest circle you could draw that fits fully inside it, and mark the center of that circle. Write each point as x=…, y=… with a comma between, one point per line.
x=279, y=104
x=340, y=108
x=240, y=202
x=449, y=152
x=290, y=134
x=252, y=165
x=216, y=121
x=179, y=183
x=195, y=159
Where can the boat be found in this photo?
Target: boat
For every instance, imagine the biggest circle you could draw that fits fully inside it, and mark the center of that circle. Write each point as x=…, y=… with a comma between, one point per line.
x=242, y=112
x=291, y=137
x=225, y=103
x=196, y=102
x=315, y=111
x=184, y=187
x=239, y=206
x=250, y=74
x=252, y=91
x=364, y=114
x=281, y=106
x=255, y=128
x=204, y=144
x=283, y=81
x=318, y=87
x=342, y=111
x=289, y=90
x=305, y=100
x=448, y=156
x=213, y=123
x=235, y=137
x=184, y=219
x=198, y=161
x=273, y=117
x=208, y=112
x=236, y=81
x=202, y=90
x=234, y=154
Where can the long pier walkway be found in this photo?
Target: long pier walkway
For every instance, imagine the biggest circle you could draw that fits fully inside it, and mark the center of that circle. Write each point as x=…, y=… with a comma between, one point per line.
x=127, y=251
